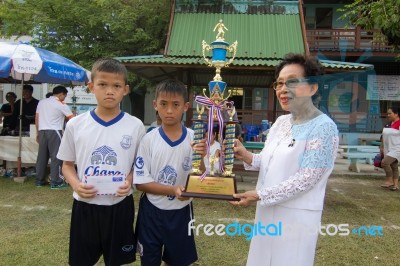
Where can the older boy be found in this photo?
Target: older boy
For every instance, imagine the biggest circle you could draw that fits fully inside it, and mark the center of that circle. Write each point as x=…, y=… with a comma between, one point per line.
x=103, y=143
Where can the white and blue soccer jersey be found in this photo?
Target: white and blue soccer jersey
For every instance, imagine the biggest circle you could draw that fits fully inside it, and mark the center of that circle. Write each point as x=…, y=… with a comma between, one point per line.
x=164, y=161
x=101, y=148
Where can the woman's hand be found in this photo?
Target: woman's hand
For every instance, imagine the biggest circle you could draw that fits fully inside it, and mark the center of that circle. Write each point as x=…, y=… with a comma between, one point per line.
x=246, y=198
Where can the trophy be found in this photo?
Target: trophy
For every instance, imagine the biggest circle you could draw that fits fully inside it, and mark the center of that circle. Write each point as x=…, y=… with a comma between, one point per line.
x=212, y=185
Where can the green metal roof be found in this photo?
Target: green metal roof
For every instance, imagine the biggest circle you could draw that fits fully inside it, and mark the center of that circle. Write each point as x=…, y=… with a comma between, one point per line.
x=258, y=36
x=180, y=60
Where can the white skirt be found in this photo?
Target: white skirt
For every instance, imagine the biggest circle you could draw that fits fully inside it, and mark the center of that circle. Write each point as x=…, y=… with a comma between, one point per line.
x=293, y=243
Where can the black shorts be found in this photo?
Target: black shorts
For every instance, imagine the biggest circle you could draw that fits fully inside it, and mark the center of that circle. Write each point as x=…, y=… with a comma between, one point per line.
x=102, y=230
x=164, y=233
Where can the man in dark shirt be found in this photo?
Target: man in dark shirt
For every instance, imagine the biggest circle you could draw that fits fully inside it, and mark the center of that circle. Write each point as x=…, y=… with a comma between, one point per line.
x=28, y=108
x=6, y=112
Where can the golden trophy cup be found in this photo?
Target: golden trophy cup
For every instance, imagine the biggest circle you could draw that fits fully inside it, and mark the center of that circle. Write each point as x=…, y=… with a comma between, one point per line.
x=212, y=185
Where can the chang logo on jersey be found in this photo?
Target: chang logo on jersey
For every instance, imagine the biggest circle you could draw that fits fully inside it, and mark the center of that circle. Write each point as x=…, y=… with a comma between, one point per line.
x=97, y=171
x=167, y=176
x=104, y=155
x=139, y=163
x=126, y=142
x=186, y=165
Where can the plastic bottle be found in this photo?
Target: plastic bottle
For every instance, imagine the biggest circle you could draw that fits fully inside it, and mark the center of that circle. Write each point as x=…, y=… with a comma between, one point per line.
x=264, y=129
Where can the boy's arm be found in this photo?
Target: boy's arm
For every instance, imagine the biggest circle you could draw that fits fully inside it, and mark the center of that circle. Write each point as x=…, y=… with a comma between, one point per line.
x=159, y=189
x=83, y=190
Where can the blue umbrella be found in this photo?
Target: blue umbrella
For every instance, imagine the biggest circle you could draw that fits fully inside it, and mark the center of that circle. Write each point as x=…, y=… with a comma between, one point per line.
x=25, y=62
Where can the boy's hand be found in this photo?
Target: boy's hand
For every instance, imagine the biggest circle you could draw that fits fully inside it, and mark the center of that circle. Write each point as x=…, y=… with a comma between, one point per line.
x=200, y=147
x=178, y=193
x=85, y=190
x=124, y=189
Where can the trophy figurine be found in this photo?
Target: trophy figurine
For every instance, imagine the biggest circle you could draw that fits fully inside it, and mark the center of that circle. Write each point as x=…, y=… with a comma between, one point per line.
x=211, y=185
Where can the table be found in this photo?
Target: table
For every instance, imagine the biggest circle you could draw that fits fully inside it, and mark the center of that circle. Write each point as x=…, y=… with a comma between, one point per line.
x=252, y=145
x=376, y=143
x=9, y=149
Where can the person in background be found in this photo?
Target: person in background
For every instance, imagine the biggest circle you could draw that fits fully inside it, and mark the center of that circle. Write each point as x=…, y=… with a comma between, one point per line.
x=212, y=162
x=156, y=123
x=162, y=165
x=28, y=109
x=391, y=150
x=6, y=113
x=103, y=143
x=50, y=116
x=294, y=166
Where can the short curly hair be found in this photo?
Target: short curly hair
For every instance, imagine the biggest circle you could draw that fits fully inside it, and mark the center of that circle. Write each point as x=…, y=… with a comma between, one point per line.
x=311, y=65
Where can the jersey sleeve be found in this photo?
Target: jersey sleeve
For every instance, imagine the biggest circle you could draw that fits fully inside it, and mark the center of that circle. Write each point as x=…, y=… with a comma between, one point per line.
x=318, y=158
x=66, y=152
x=142, y=168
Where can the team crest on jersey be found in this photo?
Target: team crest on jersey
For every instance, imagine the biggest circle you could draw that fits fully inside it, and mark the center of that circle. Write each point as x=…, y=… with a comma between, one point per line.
x=167, y=176
x=126, y=142
x=104, y=155
x=186, y=164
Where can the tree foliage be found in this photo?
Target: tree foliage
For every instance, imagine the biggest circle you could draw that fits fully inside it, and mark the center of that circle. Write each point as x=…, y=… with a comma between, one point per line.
x=372, y=14
x=87, y=30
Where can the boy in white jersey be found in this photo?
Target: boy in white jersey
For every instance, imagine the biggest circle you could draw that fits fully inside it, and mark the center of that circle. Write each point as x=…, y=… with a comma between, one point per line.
x=162, y=165
x=103, y=143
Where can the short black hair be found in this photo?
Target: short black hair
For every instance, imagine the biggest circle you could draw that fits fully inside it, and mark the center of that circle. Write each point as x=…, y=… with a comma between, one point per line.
x=10, y=93
x=28, y=87
x=395, y=109
x=60, y=89
x=109, y=65
x=172, y=86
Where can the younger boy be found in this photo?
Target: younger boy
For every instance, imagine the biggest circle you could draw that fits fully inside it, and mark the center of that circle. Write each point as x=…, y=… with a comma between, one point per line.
x=103, y=143
x=162, y=165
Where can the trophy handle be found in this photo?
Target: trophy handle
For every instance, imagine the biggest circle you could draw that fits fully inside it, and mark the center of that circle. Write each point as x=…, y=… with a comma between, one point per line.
x=232, y=49
x=207, y=47
x=200, y=111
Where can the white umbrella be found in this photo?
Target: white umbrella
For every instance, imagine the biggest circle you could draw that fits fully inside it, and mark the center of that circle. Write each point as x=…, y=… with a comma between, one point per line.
x=25, y=62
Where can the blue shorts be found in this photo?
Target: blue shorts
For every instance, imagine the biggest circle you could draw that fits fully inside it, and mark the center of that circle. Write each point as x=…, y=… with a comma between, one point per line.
x=164, y=234
x=102, y=230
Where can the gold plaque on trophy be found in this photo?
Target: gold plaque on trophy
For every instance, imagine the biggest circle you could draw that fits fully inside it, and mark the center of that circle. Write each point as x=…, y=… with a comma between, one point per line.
x=211, y=187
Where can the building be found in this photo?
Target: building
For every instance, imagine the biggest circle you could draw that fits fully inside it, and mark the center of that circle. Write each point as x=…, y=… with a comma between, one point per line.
x=266, y=31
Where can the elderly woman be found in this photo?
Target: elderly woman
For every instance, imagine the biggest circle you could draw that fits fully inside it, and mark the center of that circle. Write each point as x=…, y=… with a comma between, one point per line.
x=391, y=150
x=294, y=166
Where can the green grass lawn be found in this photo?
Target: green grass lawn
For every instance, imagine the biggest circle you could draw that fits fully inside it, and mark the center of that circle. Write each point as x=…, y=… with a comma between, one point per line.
x=34, y=225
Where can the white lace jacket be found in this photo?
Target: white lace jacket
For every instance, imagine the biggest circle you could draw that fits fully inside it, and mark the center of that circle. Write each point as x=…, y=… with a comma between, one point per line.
x=296, y=162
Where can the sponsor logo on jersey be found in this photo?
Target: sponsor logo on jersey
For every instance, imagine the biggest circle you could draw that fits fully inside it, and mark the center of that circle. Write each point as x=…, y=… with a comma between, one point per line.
x=168, y=176
x=139, y=163
x=104, y=155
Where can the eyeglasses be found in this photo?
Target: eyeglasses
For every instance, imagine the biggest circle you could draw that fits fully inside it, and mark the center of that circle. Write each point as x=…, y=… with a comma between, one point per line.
x=290, y=83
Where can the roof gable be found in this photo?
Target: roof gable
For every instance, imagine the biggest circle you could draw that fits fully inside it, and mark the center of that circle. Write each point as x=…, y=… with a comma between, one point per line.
x=258, y=36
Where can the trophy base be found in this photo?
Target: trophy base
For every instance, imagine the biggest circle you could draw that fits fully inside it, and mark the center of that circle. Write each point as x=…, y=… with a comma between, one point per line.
x=211, y=187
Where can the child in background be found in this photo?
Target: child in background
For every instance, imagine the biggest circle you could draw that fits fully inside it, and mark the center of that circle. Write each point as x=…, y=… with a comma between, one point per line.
x=212, y=162
x=103, y=143
x=162, y=166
